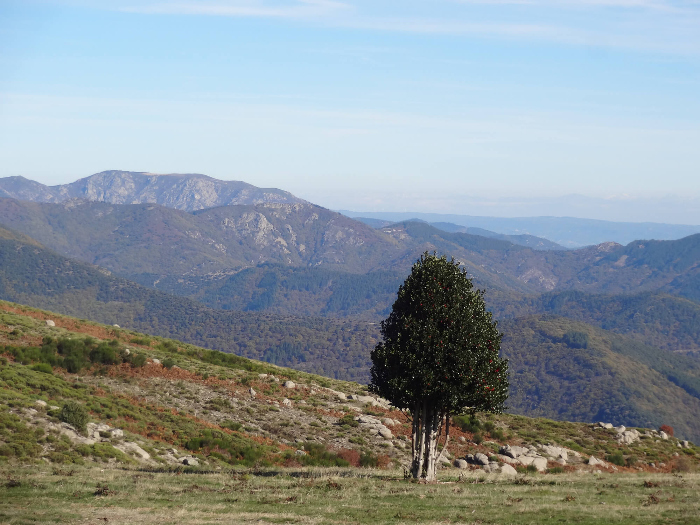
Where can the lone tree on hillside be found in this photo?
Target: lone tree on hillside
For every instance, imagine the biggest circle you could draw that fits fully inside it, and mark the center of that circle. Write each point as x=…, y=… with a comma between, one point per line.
x=439, y=357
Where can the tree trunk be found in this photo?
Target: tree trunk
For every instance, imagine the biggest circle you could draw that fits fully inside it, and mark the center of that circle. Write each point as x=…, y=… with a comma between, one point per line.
x=419, y=434
x=431, y=437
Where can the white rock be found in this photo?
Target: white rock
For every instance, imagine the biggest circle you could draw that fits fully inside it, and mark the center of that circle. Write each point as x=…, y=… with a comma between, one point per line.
x=686, y=444
x=300, y=453
x=117, y=433
x=388, y=422
x=49, y=322
x=663, y=435
x=116, y=326
x=385, y=433
x=286, y=402
x=262, y=376
x=191, y=461
x=620, y=429
x=526, y=460
x=155, y=361
x=43, y=404
x=540, y=464
x=462, y=439
x=288, y=384
x=130, y=447
x=492, y=468
x=507, y=470
x=127, y=351
x=252, y=392
x=595, y=461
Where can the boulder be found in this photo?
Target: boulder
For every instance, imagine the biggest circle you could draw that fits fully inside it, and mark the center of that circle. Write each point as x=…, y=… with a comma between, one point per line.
x=513, y=452
x=289, y=384
x=481, y=459
x=116, y=326
x=116, y=433
x=262, y=376
x=341, y=396
x=388, y=422
x=49, y=322
x=685, y=444
x=300, y=453
x=507, y=470
x=460, y=463
x=605, y=425
x=540, y=464
x=190, y=461
x=663, y=435
x=133, y=449
x=43, y=404
x=628, y=437
x=492, y=468
x=595, y=461
x=155, y=361
x=252, y=392
x=526, y=460
x=286, y=402
x=620, y=429
x=385, y=433
x=462, y=439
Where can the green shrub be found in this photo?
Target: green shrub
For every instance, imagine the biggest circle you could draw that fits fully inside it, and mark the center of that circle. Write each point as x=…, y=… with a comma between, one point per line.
x=467, y=423
x=143, y=341
x=348, y=421
x=576, y=339
x=43, y=367
x=138, y=360
x=168, y=363
x=367, y=459
x=556, y=470
x=231, y=425
x=477, y=438
x=75, y=415
x=616, y=458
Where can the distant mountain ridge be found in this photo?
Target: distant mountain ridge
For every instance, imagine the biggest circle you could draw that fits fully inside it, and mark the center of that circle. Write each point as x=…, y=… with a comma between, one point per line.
x=187, y=192
x=569, y=232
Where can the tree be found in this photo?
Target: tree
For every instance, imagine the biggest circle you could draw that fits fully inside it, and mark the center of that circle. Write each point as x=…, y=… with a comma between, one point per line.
x=439, y=356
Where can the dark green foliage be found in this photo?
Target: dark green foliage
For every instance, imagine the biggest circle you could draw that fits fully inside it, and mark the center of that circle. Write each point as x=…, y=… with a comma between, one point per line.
x=467, y=423
x=318, y=456
x=17, y=440
x=231, y=448
x=168, y=362
x=348, y=421
x=368, y=459
x=440, y=344
x=576, y=339
x=138, y=360
x=231, y=425
x=616, y=458
x=74, y=414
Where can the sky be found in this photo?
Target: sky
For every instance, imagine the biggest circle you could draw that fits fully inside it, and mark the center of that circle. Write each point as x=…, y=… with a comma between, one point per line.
x=587, y=108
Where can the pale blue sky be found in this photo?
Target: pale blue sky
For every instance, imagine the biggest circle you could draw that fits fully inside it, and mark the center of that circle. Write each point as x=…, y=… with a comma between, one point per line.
x=455, y=106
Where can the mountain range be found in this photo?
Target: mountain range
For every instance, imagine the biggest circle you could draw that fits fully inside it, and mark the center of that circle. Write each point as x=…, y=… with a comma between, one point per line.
x=298, y=285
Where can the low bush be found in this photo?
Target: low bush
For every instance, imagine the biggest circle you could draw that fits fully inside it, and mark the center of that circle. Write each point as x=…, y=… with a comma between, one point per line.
x=616, y=458
x=75, y=415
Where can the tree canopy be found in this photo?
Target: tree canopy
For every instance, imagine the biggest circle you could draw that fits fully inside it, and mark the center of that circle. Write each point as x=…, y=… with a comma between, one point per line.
x=440, y=354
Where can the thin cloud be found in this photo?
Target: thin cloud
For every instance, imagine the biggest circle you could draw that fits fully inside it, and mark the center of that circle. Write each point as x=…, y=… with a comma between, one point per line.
x=293, y=9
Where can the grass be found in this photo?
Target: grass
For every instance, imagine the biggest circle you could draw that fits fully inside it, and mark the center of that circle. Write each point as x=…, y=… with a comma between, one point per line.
x=319, y=496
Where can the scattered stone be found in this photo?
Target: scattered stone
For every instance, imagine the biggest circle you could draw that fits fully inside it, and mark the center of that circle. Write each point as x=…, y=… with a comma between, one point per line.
x=685, y=444
x=43, y=404
x=461, y=463
x=540, y=464
x=480, y=458
x=116, y=433
x=663, y=435
x=49, y=322
x=462, y=439
x=300, y=453
x=127, y=351
x=385, y=433
x=507, y=470
x=620, y=429
x=286, y=402
x=288, y=384
x=627, y=437
x=155, y=361
x=252, y=392
x=388, y=422
x=595, y=461
x=262, y=376
x=341, y=396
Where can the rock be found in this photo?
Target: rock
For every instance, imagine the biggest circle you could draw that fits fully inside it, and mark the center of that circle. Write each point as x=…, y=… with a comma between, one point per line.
x=462, y=439
x=262, y=376
x=286, y=402
x=461, y=463
x=155, y=361
x=628, y=437
x=288, y=384
x=53, y=407
x=300, y=453
x=190, y=461
x=561, y=461
x=513, y=452
x=492, y=468
x=540, y=464
x=341, y=396
x=117, y=433
x=595, y=461
x=663, y=435
x=252, y=392
x=116, y=326
x=675, y=454
x=127, y=351
x=526, y=460
x=508, y=470
x=43, y=404
x=620, y=429
x=605, y=425
x=385, y=433
x=388, y=422
x=480, y=458
x=133, y=449
x=685, y=444
x=49, y=322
